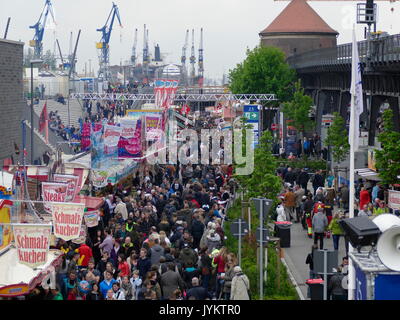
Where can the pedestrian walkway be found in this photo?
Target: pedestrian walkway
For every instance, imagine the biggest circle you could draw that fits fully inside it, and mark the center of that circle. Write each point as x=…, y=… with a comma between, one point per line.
x=296, y=255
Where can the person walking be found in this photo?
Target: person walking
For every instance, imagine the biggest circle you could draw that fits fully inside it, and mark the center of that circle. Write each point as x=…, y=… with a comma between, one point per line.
x=240, y=286
x=319, y=224
x=344, y=196
x=302, y=179
x=299, y=193
x=336, y=230
x=317, y=181
x=364, y=197
x=170, y=281
x=196, y=292
x=289, y=203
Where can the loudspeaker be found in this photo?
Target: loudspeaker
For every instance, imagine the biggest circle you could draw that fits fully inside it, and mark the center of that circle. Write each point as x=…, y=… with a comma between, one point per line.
x=389, y=248
x=386, y=221
x=361, y=231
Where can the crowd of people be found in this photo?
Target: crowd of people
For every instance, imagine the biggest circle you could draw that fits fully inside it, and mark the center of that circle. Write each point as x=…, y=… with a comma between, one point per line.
x=160, y=237
x=319, y=209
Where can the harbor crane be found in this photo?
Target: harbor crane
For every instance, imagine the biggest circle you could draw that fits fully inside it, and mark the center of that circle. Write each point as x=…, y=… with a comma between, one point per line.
x=39, y=27
x=103, y=45
x=183, y=57
x=192, y=61
x=200, y=63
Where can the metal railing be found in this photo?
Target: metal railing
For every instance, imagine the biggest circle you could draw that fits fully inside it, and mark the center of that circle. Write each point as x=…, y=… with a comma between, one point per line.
x=383, y=49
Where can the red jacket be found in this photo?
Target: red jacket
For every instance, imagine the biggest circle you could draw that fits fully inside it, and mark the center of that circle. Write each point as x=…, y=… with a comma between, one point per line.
x=87, y=252
x=220, y=264
x=364, y=198
x=124, y=268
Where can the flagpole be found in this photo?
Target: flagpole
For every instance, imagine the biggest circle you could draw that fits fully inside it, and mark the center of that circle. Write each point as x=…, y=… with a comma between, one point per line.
x=46, y=122
x=351, y=274
x=352, y=133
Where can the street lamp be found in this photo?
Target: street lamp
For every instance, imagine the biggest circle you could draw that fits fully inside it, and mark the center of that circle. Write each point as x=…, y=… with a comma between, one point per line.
x=35, y=61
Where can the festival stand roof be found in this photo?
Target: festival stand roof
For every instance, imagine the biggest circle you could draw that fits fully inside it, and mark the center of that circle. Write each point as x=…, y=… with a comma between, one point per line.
x=17, y=279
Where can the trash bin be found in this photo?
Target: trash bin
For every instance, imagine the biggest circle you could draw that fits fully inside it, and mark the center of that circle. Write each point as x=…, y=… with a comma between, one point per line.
x=316, y=289
x=282, y=230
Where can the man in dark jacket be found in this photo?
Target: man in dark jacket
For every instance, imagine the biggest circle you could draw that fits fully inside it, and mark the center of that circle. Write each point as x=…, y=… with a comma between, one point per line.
x=188, y=256
x=156, y=252
x=197, y=292
x=197, y=231
x=143, y=264
x=318, y=181
x=290, y=177
x=170, y=281
x=302, y=179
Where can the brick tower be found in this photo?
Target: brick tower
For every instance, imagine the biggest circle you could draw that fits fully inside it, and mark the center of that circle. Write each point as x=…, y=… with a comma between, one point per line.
x=297, y=29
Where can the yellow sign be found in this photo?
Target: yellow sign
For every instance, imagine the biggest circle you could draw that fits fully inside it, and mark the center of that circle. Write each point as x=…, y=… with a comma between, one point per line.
x=5, y=227
x=371, y=159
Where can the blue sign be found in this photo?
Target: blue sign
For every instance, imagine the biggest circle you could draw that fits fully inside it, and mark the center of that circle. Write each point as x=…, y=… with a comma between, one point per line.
x=251, y=112
x=361, y=284
x=387, y=287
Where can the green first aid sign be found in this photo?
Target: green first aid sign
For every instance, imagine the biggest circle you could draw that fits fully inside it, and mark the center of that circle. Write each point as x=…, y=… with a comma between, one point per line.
x=251, y=116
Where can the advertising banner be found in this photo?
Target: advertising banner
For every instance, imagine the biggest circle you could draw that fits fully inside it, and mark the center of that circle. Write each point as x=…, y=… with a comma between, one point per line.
x=111, y=139
x=91, y=218
x=32, y=242
x=129, y=145
x=72, y=182
x=159, y=90
x=171, y=93
x=394, y=200
x=53, y=192
x=153, y=127
x=67, y=219
x=85, y=136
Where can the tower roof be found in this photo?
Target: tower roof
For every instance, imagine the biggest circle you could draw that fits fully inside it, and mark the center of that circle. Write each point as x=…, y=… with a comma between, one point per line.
x=298, y=17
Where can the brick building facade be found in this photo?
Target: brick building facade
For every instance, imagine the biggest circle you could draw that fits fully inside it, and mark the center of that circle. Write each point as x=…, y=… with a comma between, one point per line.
x=297, y=29
x=11, y=97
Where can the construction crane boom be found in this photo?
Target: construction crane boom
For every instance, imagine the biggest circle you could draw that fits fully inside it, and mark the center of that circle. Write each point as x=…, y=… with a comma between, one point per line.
x=192, y=60
x=39, y=27
x=103, y=45
x=184, y=49
x=133, y=57
x=201, y=66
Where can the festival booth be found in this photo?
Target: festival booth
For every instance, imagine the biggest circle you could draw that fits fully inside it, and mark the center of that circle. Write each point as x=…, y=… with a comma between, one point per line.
x=23, y=267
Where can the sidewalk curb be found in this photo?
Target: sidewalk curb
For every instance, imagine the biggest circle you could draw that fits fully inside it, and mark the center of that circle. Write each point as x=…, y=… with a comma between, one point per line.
x=293, y=280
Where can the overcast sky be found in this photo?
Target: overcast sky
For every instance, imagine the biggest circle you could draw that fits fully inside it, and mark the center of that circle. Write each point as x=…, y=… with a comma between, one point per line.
x=230, y=26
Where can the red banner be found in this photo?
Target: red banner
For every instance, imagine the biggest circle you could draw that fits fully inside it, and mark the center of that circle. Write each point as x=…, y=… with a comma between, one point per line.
x=67, y=219
x=43, y=117
x=85, y=136
x=32, y=242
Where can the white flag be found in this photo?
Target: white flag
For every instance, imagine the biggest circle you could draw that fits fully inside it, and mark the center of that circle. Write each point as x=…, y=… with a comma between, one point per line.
x=356, y=91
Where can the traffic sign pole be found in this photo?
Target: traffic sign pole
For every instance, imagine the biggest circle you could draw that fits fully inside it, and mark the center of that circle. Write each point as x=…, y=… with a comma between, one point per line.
x=261, y=250
x=240, y=242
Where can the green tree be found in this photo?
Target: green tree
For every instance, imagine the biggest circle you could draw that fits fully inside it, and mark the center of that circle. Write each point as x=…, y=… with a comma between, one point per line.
x=263, y=182
x=388, y=158
x=49, y=59
x=263, y=71
x=298, y=110
x=337, y=140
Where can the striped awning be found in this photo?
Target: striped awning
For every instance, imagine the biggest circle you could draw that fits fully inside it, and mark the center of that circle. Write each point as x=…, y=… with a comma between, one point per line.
x=368, y=174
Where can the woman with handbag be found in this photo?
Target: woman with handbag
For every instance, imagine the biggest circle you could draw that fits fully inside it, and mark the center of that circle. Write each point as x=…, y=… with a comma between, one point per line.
x=240, y=287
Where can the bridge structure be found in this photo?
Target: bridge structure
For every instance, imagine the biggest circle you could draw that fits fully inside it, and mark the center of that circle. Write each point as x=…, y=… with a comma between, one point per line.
x=326, y=76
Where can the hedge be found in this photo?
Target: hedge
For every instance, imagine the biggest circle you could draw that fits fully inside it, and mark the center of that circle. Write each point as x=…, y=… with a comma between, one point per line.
x=272, y=290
